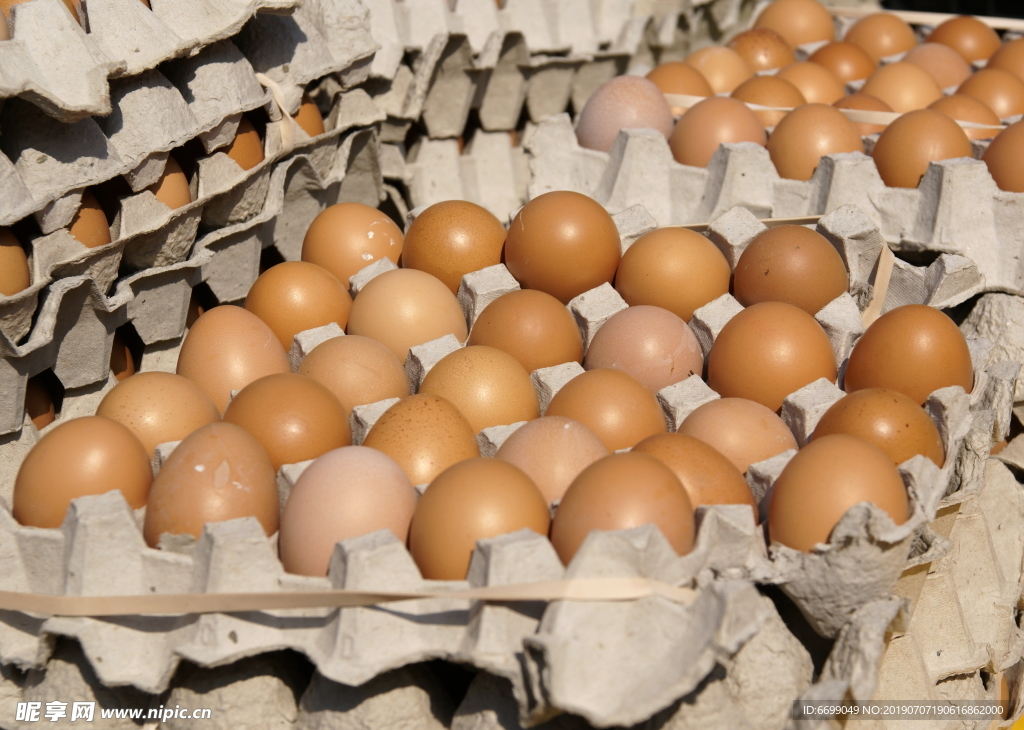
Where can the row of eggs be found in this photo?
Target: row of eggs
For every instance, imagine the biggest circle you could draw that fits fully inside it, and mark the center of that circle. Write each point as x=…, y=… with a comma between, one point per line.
x=759, y=68
x=601, y=452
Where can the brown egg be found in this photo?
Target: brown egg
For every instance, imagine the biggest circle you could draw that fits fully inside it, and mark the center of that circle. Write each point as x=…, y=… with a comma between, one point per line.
x=807, y=134
x=228, y=348
x=471, y=501
x=907, y=145
x=903, y=86
x=619, y=492
x=649, y=343
x=346, y=493
x=674, y=268
x=14, y=273
x=964, y=108
x=293, y=417
x=999, y=90
x=723, y=68
x=798, y=21
x=612, y=404
x=39, y=403
x=552, y=451
x=82, y=456
x=404, y=308
x=881, y=35
x=347, y=237
x=816, y=83
x=1010, y=57
x=308, y=118
x=1003, y=156
x=624, y=102
x=678, y=77
x=71, y=5
x=865, y=102
x=707, y=475
x=158, y=408
x=762, y=48
x=791, y=264
x=768, y=351
x=769, y=91
x=889, y=420
x=743, y=431
x=357, y=370
x=295, y=296
x=218, y=473
x=122, y=364
x=425, y=434
x=846, y=61
x=247, y=147
x=172, y=188
x=945, y=65
x=451, y=239
x=89, y=225
x=828, y=477
x=531, y=326
x=915, y=349
x=968, y=36
x=486, y=384
x=562, y=243
x=711, y=123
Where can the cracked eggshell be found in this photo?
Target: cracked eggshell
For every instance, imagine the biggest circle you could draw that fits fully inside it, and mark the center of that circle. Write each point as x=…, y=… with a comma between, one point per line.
x=347, y=237
x=82, y=456
x=220, y=472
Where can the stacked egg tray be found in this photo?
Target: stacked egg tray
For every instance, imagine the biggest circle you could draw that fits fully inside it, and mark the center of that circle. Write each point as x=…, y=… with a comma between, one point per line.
x=925, y=610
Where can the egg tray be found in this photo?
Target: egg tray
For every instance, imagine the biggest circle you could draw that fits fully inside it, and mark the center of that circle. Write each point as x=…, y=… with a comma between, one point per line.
x=992, y=645
x=55, y=63
x=47, y=162
x=68, y=318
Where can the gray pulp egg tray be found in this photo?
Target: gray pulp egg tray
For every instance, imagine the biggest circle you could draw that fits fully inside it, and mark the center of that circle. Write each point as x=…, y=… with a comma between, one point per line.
x=933, y=608
x=928, y=604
